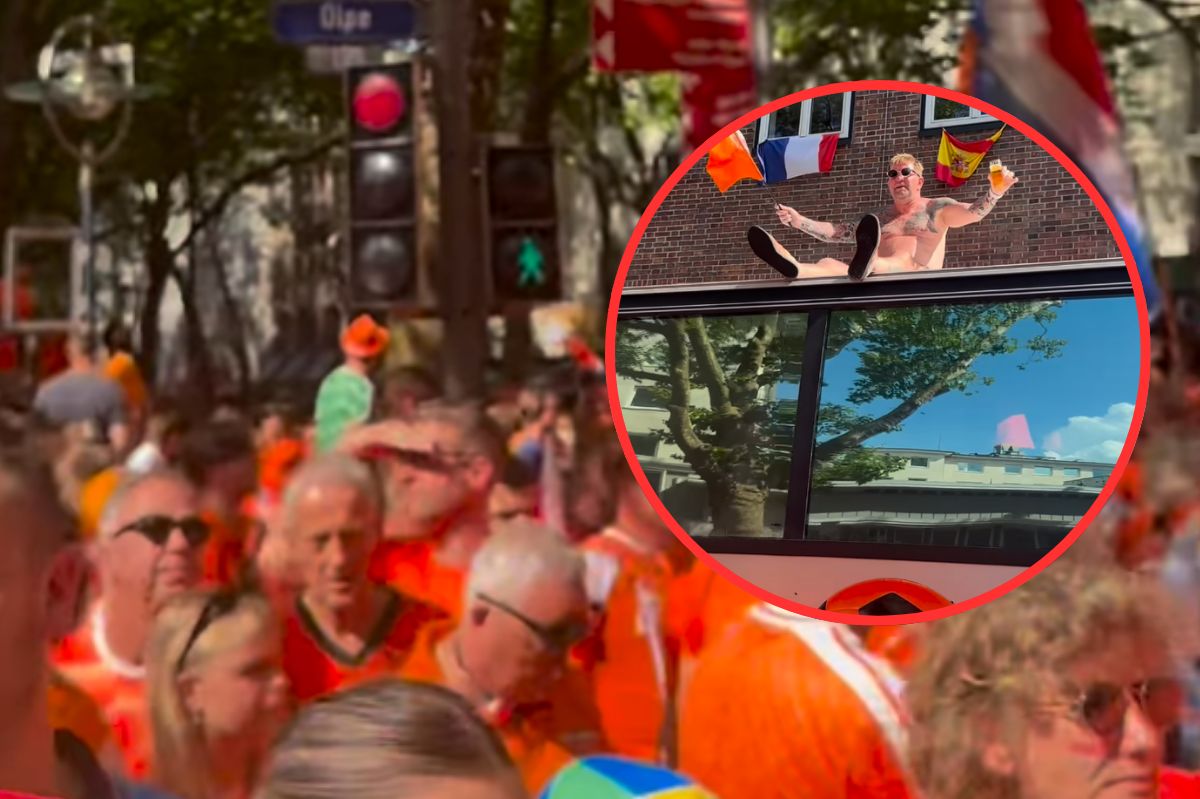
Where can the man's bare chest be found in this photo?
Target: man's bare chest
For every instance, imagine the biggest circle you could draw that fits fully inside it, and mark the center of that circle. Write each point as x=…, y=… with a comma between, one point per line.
x=919, y=223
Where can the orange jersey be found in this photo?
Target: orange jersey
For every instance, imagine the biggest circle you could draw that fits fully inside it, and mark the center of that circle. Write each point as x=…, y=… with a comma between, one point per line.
x=123, y=370
x=412, y=568
x=316, y=666
x=118, y=690
x=224, y=556
x=71, y=709
x=702, y=608
x=541, y=738
x=787, y=707
x=630, y=662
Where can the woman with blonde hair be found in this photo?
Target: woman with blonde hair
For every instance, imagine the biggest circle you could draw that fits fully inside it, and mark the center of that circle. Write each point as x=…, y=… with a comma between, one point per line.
x=216, y=693
x=389, y=739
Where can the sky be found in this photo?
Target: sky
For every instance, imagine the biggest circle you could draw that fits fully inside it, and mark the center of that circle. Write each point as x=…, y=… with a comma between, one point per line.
x=1078, y=406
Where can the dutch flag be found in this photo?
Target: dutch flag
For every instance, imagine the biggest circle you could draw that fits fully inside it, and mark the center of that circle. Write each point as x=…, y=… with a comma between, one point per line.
x=797, y=155
x=1037, y=60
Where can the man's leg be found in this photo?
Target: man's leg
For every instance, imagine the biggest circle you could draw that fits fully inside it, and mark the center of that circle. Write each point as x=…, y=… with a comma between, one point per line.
x=863, y=264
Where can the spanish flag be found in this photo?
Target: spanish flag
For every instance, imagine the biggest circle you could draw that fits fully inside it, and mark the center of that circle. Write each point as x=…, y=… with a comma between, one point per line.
x=958, y=160
x=730, y=161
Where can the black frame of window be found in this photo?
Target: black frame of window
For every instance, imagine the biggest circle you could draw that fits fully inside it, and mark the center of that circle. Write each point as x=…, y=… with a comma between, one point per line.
x=819, y=299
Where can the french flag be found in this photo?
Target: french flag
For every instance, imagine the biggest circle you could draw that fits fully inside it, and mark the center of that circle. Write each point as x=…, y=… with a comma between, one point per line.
x=797, y=155
x=1037, y=60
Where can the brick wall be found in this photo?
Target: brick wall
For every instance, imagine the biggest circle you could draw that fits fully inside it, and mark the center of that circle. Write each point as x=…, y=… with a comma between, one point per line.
x=699, y=235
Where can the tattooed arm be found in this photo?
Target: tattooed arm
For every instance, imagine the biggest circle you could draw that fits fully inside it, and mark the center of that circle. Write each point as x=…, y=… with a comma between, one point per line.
x=822, y=231
x=951, y=213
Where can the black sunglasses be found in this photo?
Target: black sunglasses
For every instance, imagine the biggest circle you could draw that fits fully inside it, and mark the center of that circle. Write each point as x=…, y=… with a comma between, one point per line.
x=157, y=529
x=219, y=604
x=906, y=171
x=557, y=638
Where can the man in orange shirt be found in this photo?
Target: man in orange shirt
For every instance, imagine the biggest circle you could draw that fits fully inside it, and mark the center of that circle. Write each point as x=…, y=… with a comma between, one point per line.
x=787, y=707
x=526, y=605
x=148, y=551
x=630, y=659
x=122, y=368
x=438, y=470
x=343, y=627
x=219, y=459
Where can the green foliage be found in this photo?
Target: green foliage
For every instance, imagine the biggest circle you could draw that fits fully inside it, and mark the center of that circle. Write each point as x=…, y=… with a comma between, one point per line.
x=857, y=465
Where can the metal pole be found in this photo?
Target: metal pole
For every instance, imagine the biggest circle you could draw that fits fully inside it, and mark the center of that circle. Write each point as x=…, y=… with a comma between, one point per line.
x=462, y=289
x=89, y=244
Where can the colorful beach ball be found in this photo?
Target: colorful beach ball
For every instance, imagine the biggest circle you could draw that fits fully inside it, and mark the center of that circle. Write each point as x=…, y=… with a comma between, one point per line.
x=604, y=777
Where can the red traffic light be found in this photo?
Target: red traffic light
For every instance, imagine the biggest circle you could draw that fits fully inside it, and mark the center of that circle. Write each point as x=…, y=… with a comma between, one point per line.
x=379, y=102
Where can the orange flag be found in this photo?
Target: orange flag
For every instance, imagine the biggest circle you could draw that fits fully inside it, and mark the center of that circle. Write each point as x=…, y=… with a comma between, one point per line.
x=730, y=161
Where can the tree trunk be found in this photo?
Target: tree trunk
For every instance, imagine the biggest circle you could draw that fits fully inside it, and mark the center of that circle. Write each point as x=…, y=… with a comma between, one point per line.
x=737, y=510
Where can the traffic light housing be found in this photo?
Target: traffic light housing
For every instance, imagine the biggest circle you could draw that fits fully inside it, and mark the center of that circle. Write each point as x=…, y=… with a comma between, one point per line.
x=522, y=223
x=381, y=105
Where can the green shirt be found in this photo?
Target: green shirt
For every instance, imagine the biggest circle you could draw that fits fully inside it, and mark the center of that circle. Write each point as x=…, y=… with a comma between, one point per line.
x=345, y=398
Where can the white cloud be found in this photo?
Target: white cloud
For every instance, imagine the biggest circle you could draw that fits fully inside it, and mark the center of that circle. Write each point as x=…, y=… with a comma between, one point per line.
x=1091, y=438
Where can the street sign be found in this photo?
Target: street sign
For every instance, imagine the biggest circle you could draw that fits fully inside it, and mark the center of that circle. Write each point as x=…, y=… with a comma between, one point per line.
x=343, y=21
x=669, y=35
x=333, y=59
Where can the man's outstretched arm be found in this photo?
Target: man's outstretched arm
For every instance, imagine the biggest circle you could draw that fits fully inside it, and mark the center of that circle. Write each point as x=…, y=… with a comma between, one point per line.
x=822, y=231
x=952, y=213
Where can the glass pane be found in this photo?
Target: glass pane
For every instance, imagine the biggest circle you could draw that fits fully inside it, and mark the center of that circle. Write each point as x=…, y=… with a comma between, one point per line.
x=1007, y=403
x=946, y=109
x=785, y=122
x=726, y=438
x=826, y=114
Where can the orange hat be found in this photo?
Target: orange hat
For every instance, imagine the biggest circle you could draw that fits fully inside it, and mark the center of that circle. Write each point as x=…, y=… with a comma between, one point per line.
x=364, y=338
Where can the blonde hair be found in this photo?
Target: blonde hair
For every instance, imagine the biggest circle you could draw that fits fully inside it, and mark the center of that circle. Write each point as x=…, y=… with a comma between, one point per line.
x=382, y=740
x=179, y=761
x=981, y=674
x=907, y=158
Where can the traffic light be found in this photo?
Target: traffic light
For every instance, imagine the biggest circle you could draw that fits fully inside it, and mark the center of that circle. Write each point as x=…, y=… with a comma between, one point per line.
x=383, y=185
x=522, y=214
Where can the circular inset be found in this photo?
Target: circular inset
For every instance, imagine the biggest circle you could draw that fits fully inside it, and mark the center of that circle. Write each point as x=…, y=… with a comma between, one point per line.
x=826, y=371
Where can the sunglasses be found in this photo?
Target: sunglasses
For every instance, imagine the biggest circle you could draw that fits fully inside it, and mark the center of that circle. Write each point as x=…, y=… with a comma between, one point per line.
x=219, y=604
x=157, y=529
x=557, y=638
x=906, y=171
x=417, y=459
x=1102, y=706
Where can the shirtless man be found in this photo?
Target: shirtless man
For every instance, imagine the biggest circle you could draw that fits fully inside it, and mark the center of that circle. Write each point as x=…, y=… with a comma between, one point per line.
x=909, y=236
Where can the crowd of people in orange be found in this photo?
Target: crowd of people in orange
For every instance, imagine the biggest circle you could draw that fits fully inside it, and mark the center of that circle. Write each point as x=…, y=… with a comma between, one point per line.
x=247, y=606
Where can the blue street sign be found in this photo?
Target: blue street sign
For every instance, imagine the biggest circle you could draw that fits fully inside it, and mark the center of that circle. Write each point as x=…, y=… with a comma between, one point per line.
x=343, y=21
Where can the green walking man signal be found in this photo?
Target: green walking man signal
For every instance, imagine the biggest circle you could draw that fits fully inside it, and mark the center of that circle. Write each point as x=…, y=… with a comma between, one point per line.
x=532, y=263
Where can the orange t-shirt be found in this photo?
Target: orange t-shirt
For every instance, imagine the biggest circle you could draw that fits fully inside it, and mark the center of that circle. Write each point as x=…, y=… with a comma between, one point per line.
x=785, y=706
x=225, y=551
x=94, y=497
x=316, y=666
x=541, y=738
x=702, y=608
x=122, y=369
x=73, y=710
x=117, y=690
x=620, y=660
x=412, y=568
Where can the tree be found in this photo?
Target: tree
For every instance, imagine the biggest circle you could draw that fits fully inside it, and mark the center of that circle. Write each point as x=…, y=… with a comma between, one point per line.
x=717, y=378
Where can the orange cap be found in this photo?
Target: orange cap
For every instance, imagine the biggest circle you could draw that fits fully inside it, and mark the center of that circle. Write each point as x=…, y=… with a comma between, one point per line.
x=365, y=338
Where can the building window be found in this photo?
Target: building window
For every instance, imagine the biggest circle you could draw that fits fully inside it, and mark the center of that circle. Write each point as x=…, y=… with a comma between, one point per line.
x=644, y=444
x=1012, y=469
x=828, y=114
x=655, y=478
x=646, y=398
x=1043, y=471
x=919, y=463
x=1070, y=472
x=975, y=468
x=938, y=113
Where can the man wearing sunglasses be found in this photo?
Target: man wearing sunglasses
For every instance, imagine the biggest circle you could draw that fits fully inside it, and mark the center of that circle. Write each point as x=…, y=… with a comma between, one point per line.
x=1041, y=694
x=908, y=236
x=525, y=607
x=148, y=550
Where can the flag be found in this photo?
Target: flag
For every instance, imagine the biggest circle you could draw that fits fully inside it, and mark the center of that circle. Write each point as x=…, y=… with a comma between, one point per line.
x=797, y=155
x=1014, y=432
x=1037, y=60
x=958, y=160
x=730, y=161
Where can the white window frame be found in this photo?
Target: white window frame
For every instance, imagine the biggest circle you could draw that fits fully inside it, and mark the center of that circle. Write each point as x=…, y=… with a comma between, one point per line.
x=766, y=123
x=976, y=117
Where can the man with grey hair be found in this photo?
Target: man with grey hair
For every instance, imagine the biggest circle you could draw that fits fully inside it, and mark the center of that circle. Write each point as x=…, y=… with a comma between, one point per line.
x=148, y=550
x=342, y=627
x=525, y=606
